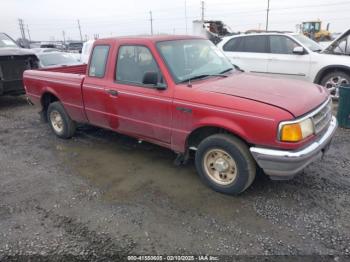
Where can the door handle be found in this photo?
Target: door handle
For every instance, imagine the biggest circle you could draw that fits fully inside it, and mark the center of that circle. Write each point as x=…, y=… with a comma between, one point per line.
x=184, y=109
x=112, y=92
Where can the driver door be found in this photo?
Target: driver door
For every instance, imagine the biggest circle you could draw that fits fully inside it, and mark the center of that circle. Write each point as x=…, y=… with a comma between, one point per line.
x=136, y=108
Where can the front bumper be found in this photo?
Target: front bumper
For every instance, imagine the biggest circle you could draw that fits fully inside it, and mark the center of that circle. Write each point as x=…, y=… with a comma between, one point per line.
x=282, y=164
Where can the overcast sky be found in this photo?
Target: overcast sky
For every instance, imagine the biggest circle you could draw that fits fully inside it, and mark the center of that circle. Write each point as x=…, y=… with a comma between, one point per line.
x=47, y=19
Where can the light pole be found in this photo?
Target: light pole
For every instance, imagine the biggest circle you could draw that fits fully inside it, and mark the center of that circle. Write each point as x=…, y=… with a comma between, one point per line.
x=267, y=15
x=186, y=15
x=151, y=20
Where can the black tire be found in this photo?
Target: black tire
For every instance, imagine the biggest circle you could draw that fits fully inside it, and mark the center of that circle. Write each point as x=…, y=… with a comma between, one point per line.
x=67, y=127
x=334, y=74
x=238, y=151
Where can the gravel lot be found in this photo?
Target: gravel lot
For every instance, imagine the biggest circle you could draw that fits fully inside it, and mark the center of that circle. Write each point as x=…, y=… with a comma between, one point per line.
x=102, y=195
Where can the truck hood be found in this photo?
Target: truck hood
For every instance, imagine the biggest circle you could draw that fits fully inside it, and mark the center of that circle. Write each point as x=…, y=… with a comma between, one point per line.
x=295, y=96
x=15, y=52
x=333, y=47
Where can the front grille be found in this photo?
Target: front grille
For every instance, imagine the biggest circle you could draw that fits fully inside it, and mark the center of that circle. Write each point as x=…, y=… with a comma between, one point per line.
x=323, y=117
x=13, y=69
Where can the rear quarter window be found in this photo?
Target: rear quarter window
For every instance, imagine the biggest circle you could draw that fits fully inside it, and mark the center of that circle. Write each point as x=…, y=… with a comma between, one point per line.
x=98, y=61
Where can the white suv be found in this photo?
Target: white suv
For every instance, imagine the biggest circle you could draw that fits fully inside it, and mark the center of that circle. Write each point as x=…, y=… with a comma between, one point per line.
x=287, y=55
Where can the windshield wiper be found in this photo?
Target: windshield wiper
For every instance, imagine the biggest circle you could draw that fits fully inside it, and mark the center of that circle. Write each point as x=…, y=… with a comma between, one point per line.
x=201, y=76
x=194, y=77
x=226, y=70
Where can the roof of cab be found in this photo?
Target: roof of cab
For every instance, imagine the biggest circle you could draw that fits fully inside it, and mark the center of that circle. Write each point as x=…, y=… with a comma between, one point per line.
x=150, y=38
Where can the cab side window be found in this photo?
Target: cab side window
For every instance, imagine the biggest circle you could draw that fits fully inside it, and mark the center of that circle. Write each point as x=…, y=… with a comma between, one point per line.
x=132, y=64
x=98, y=61
x=255, y=44
x=282, y=45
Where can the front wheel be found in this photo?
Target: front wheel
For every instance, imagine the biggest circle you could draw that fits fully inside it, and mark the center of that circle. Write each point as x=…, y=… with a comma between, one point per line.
x=60, y=122
x=225, y=164
x=332, y=81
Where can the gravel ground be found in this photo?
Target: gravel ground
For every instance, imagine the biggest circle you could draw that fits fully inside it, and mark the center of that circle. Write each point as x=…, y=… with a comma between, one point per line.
x=102, y=195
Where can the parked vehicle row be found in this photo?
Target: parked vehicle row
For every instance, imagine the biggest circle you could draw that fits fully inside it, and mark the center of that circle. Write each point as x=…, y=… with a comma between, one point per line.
x=182, y=93
x=49, y=57
x=290, y=56
x=14, y=60
x=72, y=46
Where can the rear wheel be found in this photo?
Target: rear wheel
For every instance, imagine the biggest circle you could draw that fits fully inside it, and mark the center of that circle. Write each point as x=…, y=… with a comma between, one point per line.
x=225, y=164
x=60, y=122
x=332, y=81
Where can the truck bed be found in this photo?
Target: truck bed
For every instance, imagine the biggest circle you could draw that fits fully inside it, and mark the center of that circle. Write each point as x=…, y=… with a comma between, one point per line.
x=64, y=82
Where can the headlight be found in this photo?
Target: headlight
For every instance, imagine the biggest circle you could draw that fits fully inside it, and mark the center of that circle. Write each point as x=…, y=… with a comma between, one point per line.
x=296, y=131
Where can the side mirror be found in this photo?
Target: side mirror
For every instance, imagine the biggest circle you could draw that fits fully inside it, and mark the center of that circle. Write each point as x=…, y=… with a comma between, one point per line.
x=151, y=78
x=298, y=50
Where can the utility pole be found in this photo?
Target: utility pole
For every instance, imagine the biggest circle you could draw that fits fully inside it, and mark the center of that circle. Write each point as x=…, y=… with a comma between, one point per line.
x=151, y=20
x=202, y=11
x=186, y=15
x=267, y=14
x=64, y=37
x=30, y=39
x=21, y=28
x=81, y=36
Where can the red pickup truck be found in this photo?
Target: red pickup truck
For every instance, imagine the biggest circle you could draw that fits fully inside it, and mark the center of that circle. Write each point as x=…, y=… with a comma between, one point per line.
x=182, y=93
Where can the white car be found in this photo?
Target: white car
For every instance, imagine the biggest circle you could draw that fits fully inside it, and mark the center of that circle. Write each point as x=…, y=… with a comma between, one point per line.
x=287, y=55
x=51, y=58
x=86, y=50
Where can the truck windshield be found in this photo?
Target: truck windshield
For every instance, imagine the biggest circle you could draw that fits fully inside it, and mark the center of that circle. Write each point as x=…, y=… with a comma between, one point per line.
x=5, y=41
x=193, y=59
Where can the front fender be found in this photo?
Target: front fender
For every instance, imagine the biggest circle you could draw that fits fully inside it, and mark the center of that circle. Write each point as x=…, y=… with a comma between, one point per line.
x=220, y=122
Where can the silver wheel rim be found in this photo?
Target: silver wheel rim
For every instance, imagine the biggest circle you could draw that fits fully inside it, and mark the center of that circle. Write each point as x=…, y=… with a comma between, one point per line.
x=220, y=167
x=334, y=83
x=56, y=121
